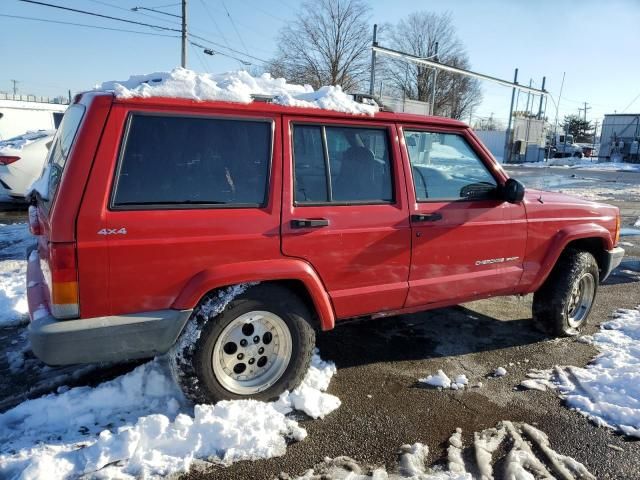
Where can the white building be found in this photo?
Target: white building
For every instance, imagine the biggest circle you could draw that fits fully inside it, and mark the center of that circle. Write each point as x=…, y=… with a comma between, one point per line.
x=619, y=138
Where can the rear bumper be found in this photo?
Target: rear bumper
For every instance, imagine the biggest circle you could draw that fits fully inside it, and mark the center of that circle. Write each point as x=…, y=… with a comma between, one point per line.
x=106, y=339
x=611, y=260
x=99, y=339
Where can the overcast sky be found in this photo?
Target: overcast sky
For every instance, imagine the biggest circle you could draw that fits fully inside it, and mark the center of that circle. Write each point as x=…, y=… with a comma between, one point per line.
x=596, y=43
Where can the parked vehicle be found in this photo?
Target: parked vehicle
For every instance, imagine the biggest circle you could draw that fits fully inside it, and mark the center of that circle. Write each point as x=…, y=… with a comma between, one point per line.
x=18, y=116
x=158, y=211
x=21, y=161
x=562, y=146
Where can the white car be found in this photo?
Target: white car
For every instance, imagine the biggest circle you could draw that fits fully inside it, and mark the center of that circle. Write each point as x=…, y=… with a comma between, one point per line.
x=22, y=159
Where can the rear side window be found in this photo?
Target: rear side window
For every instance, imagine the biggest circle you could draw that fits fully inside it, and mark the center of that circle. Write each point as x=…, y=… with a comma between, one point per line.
x=61, y=146
x=192, y=161
x=341, y=165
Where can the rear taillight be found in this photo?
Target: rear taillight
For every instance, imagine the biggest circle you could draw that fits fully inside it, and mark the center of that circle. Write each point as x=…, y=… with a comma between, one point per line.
x=34, y=222
x=8, y=159
x=617, y=234
x=64, y=280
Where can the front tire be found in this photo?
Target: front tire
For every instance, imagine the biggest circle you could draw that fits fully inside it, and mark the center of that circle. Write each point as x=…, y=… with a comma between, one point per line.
x=563, y=303
x=259, y=346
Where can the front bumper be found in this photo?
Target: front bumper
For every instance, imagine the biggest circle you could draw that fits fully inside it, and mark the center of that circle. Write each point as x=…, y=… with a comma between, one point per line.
x=611, y=260
x=99, y=339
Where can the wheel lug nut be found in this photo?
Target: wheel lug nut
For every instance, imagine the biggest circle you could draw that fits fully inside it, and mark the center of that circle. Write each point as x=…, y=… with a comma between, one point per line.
x=256, y=339
x=240, y=356
x=261, y=350
x=252, y=361
x=243, y=343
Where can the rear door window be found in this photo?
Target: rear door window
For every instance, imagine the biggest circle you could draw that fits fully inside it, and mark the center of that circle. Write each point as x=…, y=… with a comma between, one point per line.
x=341, y=165
x=182, y=162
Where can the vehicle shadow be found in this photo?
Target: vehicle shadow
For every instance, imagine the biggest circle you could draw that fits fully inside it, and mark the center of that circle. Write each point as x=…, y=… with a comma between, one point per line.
x=627, y=272
x=437, y=333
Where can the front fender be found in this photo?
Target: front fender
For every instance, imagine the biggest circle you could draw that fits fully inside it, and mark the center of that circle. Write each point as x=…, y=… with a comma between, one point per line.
x=259, y=271
x=563, y=238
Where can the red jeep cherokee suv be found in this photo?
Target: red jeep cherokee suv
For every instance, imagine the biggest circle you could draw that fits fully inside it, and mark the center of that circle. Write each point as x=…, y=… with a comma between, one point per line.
x=230, y=232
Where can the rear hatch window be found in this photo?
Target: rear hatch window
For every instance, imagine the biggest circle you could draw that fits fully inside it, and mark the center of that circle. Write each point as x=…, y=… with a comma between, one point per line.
x=47, y=185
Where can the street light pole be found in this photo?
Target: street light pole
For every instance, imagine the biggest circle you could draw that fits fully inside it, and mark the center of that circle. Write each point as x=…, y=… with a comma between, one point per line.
x=183, y=57
x=507, y=140
x=435, y=78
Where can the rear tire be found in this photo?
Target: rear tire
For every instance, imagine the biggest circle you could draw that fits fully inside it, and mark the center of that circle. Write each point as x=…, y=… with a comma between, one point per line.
x=259, y=346
x=562, y=305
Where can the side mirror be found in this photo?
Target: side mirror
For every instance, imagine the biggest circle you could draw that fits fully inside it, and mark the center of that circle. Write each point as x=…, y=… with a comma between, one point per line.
x=513, y=191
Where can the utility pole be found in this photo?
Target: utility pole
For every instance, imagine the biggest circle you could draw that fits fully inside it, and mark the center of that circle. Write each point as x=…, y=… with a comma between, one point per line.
x=183, y=57
x=584, y=127
x=372, y=80
x=15, y=87
x=507, y=140
x=544, y=80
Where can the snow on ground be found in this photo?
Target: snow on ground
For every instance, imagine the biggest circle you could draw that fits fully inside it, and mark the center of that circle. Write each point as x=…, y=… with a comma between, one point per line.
x=607, y=391
x=629, y=232
x=510, y=450
x=581, y=163
x=441, y=380
x=499, y=372
x=238, y=86
x=14, y=239
x=140, y=425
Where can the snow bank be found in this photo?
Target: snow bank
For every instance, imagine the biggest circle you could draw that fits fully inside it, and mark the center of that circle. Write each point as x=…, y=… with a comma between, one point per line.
x=607, y=391
x=14, y=239
x=238, y=86
x=140, y=425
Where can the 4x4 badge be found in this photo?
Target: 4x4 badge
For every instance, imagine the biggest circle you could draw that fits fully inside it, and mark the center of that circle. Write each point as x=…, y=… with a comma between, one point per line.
x=112, y=231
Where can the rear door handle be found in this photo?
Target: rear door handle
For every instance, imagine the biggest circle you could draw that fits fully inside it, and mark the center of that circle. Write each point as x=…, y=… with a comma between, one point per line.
x=429, y=217
x=309, y=223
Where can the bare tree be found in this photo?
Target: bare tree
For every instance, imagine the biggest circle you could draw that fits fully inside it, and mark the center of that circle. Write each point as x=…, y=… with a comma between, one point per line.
x=418, y=34
x=327, y=44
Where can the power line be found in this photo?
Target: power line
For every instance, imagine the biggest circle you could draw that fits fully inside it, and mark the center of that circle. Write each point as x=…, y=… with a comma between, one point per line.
x=215, y=23
x=47, y=20
x=244, y=62
x=234, y=26
x=128, y=10
x=100, y=15
x=228, y=48
x=631, y=103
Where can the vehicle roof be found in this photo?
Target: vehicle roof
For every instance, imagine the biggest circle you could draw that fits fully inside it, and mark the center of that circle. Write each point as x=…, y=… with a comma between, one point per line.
x=266, y=107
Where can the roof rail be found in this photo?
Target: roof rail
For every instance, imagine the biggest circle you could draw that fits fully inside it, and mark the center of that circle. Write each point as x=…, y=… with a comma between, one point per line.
x=258, y=97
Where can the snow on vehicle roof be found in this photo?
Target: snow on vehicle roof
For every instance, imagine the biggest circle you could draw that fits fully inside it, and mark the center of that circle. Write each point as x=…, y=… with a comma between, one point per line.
x=237, y=86
x=21, y=141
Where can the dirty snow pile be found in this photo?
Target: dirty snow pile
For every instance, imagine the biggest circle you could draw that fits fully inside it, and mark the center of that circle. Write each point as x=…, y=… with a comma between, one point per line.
x=510, y=450
x=238, y=87
x=607, y=391
x=441, y=380
x=14, y=239
x=140, y=425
